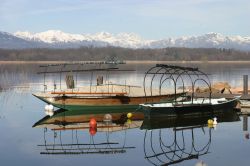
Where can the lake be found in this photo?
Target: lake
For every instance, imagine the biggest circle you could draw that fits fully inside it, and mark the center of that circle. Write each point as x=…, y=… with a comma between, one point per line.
x=139, y=141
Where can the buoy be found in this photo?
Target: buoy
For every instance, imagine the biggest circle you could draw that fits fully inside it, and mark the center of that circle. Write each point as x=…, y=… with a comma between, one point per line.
x=210, y=125
x=92, y=130
x=51, y=107
x=46, y=107
x=50, y=113
x=92, y=123
x=129, y=121
x=129, y=115
x=210, y=122
x=214, y=126
x=107, y=118
x=46, y=112
x=215, y=121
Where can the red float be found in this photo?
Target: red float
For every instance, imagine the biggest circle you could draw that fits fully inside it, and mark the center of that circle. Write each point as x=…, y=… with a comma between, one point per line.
x=92, y=130
x=92, y=123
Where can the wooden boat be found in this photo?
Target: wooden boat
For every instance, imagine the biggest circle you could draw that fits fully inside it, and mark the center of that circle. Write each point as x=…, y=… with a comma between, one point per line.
x=102, y=100
x=196, y=106
x=101, y=95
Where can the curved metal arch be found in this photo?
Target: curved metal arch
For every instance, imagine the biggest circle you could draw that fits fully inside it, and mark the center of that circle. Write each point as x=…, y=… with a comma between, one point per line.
x=176, y=70
x=151, y=83
x=191, y=79
x=210, y=90
x=174, y=84
x=144, y=80
x=175, y=73
x=183, y=85
x=160, y=83
x=206, y=76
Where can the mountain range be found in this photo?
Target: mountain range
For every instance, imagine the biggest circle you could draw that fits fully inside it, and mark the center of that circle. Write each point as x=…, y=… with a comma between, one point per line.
x=59, y=39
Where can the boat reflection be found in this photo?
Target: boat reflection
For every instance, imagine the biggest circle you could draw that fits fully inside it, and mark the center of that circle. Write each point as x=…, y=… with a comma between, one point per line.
x=71, y=132
x=171, y=140
x=167, y=139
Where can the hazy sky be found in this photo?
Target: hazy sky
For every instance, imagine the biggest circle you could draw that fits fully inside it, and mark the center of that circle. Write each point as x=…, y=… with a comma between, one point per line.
x=151, y=19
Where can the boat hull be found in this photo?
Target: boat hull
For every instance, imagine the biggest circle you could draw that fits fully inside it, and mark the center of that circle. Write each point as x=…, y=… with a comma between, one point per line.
x=192, y=108
x=104, y=103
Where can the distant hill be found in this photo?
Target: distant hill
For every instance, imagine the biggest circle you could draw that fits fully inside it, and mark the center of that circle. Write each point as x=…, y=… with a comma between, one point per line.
x=58, y=39
x=101, y=53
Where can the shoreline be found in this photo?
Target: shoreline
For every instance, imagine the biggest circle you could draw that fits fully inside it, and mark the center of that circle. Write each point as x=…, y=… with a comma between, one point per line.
x=131, y=62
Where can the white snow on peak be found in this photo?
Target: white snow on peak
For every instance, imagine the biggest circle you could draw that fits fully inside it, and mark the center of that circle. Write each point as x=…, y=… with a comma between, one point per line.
x=51, y=36
x=131, y=40
x=55, y=36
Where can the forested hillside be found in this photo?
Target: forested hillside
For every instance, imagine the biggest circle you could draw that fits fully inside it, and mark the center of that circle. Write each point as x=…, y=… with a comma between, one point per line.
x=93, y=53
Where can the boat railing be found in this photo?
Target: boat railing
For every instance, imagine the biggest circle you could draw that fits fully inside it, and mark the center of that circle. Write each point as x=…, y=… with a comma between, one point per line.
x=74, y=70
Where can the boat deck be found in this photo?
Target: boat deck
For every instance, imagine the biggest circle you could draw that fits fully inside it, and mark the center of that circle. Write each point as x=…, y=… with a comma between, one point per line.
x=106, y=90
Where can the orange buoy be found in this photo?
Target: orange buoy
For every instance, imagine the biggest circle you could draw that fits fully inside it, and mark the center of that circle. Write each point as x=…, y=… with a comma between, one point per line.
x=92, y=130
x=92, y=122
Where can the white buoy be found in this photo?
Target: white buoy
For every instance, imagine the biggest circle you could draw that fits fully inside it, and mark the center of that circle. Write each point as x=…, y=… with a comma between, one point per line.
x=46, y=107
x=215, y=127
x=50, y=113
x=215, y=121
x=51, y=107
x=107, y=118
x=46, y=112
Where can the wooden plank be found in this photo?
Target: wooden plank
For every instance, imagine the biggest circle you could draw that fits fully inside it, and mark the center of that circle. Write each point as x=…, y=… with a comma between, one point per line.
x=89, y=93
x=88, y=70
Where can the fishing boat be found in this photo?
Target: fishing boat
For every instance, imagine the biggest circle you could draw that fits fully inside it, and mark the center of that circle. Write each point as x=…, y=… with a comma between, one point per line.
x=102, y=94
x=191, y=104
x=196, y=106
x=93, y=101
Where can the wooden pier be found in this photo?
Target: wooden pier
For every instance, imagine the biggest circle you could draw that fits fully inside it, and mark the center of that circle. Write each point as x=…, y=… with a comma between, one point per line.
x=221, y=95
x=244, y=96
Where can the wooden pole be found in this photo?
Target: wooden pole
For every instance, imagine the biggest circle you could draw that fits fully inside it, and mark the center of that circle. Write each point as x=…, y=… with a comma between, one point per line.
x=245, y=84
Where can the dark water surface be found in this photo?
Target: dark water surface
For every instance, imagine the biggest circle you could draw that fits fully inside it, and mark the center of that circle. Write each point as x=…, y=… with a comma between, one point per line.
x=155, y=141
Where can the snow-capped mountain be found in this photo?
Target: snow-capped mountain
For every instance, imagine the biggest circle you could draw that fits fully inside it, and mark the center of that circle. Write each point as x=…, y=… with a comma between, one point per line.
x=8, y=40
x=209, y=40
x=129, y=40
x=59, y=39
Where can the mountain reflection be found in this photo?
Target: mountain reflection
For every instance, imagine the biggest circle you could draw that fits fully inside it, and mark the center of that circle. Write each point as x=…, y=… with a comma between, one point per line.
x=166, y=140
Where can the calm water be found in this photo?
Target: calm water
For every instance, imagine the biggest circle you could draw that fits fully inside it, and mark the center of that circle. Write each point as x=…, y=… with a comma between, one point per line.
x=154, y=141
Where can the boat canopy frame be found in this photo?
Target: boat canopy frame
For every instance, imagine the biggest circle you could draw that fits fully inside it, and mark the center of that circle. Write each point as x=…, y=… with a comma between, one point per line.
x=175, y=74
x=80, y=67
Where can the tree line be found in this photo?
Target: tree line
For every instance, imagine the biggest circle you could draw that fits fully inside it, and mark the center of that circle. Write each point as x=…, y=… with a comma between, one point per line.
x=101, y=53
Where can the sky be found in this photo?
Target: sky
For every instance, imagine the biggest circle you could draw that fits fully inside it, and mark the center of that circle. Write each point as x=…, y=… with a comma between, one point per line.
x=150, y=19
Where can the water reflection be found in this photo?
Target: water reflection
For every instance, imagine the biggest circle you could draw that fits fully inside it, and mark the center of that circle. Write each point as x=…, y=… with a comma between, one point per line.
x=171, y=140
x=81, y=132
x=166, y=139
x=20, y=110
x=245, y=126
